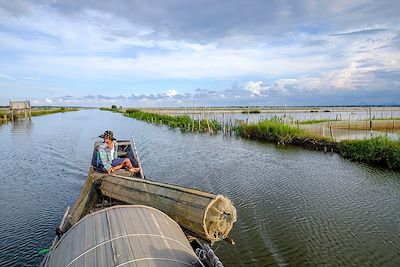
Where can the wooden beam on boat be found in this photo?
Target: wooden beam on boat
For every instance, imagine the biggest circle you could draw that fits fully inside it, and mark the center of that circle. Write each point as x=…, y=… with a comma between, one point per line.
x=86, y=199
x=207, y=216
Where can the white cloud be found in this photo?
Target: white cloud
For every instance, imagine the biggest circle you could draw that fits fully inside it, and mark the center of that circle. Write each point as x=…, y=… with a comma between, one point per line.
x=114, y=48
x=254, y=87
x=48, y=101
x=171, y=93
x=104, y=53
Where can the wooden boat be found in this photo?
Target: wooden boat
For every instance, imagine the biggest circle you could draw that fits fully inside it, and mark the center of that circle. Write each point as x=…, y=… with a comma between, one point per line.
x=121, y=219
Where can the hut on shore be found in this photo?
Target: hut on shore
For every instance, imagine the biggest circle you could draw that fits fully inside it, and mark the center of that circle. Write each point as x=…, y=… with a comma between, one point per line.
x=18, y=107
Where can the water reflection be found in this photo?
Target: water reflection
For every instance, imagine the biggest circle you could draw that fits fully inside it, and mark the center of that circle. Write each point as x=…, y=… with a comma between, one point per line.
x=22, y=125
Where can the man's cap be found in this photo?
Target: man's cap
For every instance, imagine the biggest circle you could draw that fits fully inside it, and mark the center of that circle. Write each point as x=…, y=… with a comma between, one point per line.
x=107, y=134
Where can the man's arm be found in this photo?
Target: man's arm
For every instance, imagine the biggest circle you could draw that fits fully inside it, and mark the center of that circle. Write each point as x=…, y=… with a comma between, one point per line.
x=115, y=150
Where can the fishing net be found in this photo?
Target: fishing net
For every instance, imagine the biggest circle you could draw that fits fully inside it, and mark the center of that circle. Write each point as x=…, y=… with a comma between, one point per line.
x=204, y=215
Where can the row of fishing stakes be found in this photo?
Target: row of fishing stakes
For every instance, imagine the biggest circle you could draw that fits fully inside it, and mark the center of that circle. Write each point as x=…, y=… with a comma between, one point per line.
x=205, y=114
x=228, y=126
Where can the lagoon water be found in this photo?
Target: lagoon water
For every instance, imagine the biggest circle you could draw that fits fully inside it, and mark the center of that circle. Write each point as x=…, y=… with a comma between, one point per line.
x=295, y=207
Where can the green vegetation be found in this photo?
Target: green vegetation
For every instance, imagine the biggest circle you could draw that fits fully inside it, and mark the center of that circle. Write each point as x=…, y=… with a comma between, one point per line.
x=133, y=110
x=275, y=130
x=35, y=112
x=111, y=109
x=3, y=115
x=271, y=130
x=380, y=150
x=252, y=111
x=185, y=123
x=46, y=111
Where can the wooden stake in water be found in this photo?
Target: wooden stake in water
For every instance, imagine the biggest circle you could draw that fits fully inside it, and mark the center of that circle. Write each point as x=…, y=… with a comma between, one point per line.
x=349, y=121
x=370, y=121
x=248, y=113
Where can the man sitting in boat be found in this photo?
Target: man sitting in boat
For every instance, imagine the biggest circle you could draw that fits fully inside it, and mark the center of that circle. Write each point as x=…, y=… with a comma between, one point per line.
x=107, y=156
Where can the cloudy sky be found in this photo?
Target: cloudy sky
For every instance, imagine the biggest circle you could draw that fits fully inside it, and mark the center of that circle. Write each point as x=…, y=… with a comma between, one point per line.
x=206, y=52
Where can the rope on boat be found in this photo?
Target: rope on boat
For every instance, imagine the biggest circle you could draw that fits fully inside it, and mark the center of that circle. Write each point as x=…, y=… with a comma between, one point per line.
x=136, y=235
x=208, y=253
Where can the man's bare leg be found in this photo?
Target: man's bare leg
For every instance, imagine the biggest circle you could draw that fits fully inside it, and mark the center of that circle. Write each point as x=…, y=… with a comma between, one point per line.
x=128, y=165
x=116, y=168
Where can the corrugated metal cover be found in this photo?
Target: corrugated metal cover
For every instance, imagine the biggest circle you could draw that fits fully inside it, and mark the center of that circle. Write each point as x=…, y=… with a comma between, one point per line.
x=131, y=235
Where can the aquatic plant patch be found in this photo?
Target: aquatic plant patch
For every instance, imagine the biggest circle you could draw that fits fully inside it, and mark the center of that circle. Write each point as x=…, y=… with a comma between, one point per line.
x=380, y=150
x=184, y=122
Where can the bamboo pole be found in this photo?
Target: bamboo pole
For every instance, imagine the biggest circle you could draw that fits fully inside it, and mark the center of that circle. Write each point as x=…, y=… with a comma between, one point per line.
x=349, y=121
x=134, y=150
x=370, y=121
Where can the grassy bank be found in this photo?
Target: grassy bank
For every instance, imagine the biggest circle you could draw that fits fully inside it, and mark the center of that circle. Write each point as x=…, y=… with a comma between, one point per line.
x=46, y=111
x=184, y=122
x=112, y=109
x=379, y=150
x=5, y=116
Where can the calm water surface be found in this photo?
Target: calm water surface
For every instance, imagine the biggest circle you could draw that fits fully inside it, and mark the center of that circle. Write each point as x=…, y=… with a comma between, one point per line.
x=295, y=207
